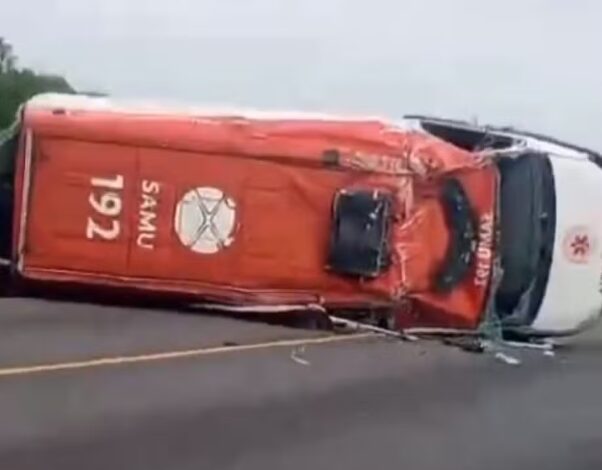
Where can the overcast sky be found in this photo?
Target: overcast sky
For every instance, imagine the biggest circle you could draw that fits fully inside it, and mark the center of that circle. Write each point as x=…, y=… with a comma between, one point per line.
x=532, y=63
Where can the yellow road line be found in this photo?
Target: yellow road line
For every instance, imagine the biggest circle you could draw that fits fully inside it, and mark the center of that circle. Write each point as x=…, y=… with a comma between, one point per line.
x=169, y=355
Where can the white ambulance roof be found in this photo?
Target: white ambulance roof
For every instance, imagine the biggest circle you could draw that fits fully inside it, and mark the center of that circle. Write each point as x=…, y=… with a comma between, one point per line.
x=102, y=104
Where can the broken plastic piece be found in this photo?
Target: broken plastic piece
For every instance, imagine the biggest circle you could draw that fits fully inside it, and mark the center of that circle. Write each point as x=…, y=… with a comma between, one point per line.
x=543, y=346
x=507, y=359
x=296, y=356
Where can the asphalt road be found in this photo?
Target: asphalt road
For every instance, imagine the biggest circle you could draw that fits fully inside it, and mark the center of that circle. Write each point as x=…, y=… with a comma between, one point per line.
x=355, y=404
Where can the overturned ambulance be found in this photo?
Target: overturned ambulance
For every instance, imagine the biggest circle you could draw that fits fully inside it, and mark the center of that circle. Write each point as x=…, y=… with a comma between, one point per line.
x=426, y=222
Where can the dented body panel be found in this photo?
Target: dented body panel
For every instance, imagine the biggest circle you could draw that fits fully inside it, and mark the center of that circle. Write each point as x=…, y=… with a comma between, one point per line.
x=247, y=209
x=552, y=217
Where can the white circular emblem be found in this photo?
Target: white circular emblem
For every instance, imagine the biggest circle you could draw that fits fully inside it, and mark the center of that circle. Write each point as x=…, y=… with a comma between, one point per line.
x=205, y=220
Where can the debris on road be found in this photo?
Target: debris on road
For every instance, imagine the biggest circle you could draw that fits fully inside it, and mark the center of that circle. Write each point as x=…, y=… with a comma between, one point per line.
x=507, y=359
x=542, y=346
x=470, y=341
x=296, y=356
x=468, y=344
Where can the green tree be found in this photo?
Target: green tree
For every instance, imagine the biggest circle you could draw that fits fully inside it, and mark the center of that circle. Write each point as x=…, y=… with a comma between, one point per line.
x=18, y=85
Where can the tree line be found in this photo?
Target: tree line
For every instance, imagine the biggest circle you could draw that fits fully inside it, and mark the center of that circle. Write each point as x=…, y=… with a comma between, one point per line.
x=17, y=85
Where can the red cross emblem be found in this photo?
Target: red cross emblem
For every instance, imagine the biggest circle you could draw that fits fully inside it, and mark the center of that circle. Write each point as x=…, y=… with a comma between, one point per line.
x=578, y=245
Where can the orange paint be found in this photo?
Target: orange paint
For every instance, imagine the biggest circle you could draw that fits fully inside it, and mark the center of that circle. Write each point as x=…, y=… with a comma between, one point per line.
x=236, y=210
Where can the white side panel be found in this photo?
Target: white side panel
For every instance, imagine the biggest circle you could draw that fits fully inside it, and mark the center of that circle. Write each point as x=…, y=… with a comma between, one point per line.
x=573, y=294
